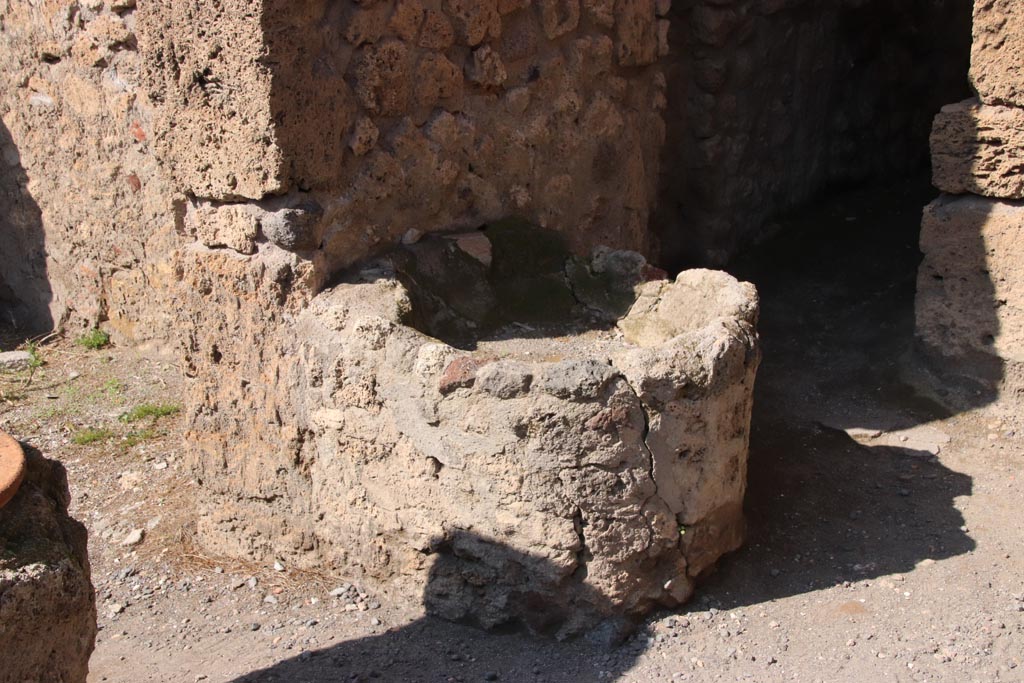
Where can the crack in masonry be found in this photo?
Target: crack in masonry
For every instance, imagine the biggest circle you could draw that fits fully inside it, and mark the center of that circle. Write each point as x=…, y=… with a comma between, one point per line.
x=650, y=458
x=572, y=291
x=583, y=555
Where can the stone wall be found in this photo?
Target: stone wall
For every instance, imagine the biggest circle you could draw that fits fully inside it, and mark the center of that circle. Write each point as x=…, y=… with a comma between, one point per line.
x=772, y=101
x=304, y=138
x=81, y=199
x=377, y=118
x=202, y=172
x=331, y=129
x=970, y=301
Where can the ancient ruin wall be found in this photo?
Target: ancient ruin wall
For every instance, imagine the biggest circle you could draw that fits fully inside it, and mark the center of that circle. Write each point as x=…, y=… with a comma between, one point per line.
x=770, y=102
x=970, y=303
x=385, y=116
x=83, y=208
x=354, y=122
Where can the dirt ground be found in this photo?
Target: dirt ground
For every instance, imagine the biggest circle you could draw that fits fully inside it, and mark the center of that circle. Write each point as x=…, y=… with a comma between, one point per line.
x=885, y=535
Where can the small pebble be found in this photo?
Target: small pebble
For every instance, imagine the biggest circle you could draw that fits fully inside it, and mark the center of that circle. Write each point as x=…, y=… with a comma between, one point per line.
x=134, y=537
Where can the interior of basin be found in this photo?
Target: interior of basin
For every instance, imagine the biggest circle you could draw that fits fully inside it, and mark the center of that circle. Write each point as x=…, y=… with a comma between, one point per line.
x=515, y=281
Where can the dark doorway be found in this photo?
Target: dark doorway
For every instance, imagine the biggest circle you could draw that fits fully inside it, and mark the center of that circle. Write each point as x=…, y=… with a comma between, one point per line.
x=772, y=104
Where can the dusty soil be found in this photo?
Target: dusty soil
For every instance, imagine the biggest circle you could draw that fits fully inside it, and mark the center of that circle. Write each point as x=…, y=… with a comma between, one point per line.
x=884, y=529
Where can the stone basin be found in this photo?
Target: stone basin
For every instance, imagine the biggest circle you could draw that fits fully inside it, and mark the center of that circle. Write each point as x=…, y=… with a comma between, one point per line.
x=12, y=468
x=519, y=435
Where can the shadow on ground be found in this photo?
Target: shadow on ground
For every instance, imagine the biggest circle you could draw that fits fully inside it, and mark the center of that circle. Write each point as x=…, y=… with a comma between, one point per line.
x=823, y=509
x=432, y=649
x=837, y=328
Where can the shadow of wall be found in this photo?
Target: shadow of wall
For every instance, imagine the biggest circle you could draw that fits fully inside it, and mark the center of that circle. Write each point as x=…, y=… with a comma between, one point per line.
x=25, y=293
x=432, y=648
x=823, y=509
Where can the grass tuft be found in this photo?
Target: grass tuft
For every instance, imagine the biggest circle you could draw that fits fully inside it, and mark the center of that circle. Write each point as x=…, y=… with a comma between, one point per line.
x=134, y=438
x=90, y=436
x=37, y=359
x=154, y=410
x=94, y=339
x=113, y=387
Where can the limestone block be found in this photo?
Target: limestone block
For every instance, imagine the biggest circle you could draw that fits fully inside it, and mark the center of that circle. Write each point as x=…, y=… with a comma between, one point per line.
x=292, y=222
x=47, y=605
x=970, y=298
x=979, y=149
x=997, y=55
x=216, y=129
x=234, y=226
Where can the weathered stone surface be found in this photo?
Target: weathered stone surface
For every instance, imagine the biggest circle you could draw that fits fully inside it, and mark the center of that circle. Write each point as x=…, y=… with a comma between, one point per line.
x=979, y=149
x=15, y=360
x=85, y=213
x=620, y=467
x=386, y=127
x=997, y=55
x=970, y=297
x=214, y=128
x=47, y=605
x=970, y=300
x=434, y=115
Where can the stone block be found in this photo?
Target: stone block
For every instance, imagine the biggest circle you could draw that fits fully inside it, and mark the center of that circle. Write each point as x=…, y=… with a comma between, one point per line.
x=979, y=149
x=217, y=131
x=13, y=361
x=970, y=297
x=997, y=56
